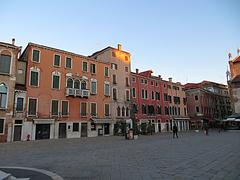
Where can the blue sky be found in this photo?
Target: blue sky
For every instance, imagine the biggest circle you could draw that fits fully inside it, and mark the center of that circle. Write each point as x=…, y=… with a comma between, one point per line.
x=187, y=40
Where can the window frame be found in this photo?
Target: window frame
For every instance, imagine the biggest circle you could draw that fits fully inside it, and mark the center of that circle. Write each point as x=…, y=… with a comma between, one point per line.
x=91, y=109
x=54, y=115
x=34, y=70
x=4, y=121
x=78, y=129
x=54, y=55
x=67, y=57
x=65, y=115
x=107, y=71
x=95, y=81
x=22, y=103
x=109, y=114
x=7, y=93
x=83, y=66
x=107, y=83
x=134, y=94
x=34, y=49
x=94, y=73
x=32, y=115
x=59, y=75
x=81, y=114
x=129, y=95
x=11, y=59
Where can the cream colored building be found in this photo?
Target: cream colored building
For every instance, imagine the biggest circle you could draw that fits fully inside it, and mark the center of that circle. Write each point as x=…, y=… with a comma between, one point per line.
x=119, y=73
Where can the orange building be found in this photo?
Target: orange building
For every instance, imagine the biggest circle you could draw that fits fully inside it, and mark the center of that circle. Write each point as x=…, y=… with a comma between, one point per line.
x=68, y=95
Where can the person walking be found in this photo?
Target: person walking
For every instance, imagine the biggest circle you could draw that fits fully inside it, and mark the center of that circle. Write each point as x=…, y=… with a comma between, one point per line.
x=206, y=128
x=175, y=131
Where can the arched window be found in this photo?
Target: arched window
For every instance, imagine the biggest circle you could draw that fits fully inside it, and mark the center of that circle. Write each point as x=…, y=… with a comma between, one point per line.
x=69, y=83
x=127, y=112
x=3, y=96
x=118, y=111
x=123, y=111
x=5, y=62
x=83, y=85
x=76, y=84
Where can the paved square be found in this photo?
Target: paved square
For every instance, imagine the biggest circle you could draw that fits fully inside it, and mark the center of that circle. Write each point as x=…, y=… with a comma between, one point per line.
x=192, y=156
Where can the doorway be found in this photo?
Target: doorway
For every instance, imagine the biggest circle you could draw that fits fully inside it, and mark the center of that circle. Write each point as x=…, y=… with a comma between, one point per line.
x=62, y=130
x=83, y=129
x=106, y=129
x=17, y=132
x=42, y=131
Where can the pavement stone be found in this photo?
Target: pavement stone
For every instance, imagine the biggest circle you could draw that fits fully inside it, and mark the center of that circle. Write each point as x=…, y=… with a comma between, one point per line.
x=192, y=156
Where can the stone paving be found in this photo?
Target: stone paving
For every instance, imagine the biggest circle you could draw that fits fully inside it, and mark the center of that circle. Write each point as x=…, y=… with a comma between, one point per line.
x=192, y=156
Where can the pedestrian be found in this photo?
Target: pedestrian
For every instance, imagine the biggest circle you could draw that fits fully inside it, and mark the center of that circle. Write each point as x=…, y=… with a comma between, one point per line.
x=206, y=129
x=175, y=131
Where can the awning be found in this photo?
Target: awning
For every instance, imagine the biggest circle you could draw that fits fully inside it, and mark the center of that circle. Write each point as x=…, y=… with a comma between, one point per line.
x=102, y=120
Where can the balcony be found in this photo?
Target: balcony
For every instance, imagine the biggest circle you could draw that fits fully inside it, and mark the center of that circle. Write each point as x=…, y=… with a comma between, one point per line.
x=77, y=92
x=70, y=92
x=85, y=93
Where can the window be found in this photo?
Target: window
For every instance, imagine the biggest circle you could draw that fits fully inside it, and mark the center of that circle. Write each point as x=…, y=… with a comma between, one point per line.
x=157, y=96
x=1, y=126
x=146, y=81
x=179, y=111
x=3, y=96
x=54, y=111
x=5, y=64
x=93, y=68
x=106, y=89
x=176, y=100
x=185, y=111
x=107, y=110
x=118, y=111
x=94, y=87
x=114, y=94
x=34, y=78
x=76, y=84
x=36, y=55
x=83, y=108
x=127, y=82
x=85, y=66
x=142, y=81
x=144, y=109
x=56, y=81
x=57, y=60
x=127, y=111
x=196, y=98
x=170, y=98
x=166, y=111
x=69, y=83
x=114, y=79
x=133, y=79
x=75, y=127
x=93, y=109
x=159, y=109
x=197, y=109
x=126, y=69
x=32, y=107
x=65, y=108
x=68, y=62
x=152, y=94
x=123, y=111
x=134, y=92
x=114, y=66
x=184, y=101
x=106, y=71
x=127, y=95
x=83, y=85
x=143, y=95
x=146, y=94
x=165, y=97
x=152, y=83
x=19, y=106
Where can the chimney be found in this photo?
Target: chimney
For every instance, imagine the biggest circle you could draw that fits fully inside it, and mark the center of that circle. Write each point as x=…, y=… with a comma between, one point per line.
x=137, y=71
x=119, y=47
x=13, y=41
x=170, y=79
x=159, y=76
x=238, y=51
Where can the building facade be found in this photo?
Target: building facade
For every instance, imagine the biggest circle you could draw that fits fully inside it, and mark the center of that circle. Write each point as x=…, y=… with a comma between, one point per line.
x=68, y=95
x=120, y=71
x=207, y=101
x=9, y=54
x=177, y=105
x=152, y=102
x=234, y=81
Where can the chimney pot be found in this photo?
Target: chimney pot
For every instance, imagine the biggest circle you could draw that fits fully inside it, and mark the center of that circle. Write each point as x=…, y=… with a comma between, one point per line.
x=159, y=76
x=13, y=41
x=229, y=56
x=137, y=70
x=119, y=47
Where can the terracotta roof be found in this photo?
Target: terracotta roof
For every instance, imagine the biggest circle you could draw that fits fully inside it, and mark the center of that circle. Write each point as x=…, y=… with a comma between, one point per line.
x=237, y=59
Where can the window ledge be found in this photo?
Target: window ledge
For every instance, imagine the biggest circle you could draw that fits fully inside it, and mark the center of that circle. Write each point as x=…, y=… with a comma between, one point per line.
x=3, y=109
x=5, y=74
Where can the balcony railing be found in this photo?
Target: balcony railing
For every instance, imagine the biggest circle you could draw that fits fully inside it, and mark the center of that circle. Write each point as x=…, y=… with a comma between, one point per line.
x=77, y=92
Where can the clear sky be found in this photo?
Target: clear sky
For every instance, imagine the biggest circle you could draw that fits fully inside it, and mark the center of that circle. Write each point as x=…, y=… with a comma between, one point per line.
x=187, y=40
